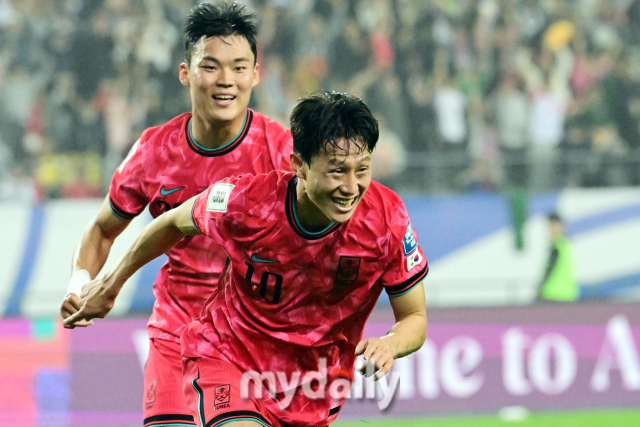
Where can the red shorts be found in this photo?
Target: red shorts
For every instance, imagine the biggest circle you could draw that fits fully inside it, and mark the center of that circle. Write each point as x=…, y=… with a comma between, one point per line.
x=213, y=390
x=163, y=401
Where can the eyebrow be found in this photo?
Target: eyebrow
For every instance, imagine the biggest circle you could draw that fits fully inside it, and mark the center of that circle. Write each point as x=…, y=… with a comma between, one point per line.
x=211, y=58
x=335, y=161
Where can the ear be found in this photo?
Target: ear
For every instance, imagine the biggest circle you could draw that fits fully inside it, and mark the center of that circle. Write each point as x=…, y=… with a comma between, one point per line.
x=256, y=75
x=296, y=165
x=183, y=74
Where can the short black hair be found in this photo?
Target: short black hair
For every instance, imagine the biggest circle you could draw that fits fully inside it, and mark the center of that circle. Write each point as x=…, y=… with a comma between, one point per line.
x=554, y=216
x=220, y=21
x=323, y=118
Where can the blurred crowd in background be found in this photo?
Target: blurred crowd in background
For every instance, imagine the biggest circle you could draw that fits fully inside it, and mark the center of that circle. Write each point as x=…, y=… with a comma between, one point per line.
x=470, y=94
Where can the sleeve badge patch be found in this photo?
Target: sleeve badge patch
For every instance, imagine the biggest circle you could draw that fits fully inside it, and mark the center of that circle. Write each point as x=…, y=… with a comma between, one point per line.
x=219, y=197
x=413, y=260
x=409, y=242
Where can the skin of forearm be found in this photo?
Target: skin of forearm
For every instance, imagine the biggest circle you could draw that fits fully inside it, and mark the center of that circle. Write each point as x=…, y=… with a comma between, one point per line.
x=155, y=239
x=92, y=251
x=407, y=335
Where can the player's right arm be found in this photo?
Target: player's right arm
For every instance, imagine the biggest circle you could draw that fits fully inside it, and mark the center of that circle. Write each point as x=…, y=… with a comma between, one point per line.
x=163, y=233
x=90, y=256
x=126, y=199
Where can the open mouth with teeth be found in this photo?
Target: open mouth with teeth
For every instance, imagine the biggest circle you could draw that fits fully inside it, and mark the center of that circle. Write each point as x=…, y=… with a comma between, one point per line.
x=344, y=203
x=224, y=98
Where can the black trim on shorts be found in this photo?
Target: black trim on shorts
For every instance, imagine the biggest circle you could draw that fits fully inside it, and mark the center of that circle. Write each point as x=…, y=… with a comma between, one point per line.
x=228, y=416
x=168, y=417
x=195, y=385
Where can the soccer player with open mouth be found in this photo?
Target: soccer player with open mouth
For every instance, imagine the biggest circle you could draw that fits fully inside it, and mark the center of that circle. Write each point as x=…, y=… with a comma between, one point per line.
x=169, y=165
x=310, y=252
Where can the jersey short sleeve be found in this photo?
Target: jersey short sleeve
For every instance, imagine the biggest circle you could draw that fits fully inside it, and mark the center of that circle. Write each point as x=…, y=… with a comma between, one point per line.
x=407, y=265
x=220, y=209
x=126, y=194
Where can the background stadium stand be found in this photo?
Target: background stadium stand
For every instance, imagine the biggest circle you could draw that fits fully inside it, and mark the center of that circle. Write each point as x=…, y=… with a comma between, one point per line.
x=492, y=113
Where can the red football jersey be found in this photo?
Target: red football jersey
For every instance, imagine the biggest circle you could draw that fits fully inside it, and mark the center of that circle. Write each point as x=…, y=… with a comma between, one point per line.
x=289, y=297
x=165, y=168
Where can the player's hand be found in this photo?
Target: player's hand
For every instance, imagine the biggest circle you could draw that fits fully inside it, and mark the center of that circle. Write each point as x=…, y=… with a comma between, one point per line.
x=71, y=305
x=377, y=355
x=94, y=302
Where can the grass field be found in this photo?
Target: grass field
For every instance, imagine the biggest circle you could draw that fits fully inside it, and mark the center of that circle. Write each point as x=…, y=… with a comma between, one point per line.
x=613, y=418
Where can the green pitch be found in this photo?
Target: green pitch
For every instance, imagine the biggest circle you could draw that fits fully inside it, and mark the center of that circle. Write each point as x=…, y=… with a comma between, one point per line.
x=617, y=418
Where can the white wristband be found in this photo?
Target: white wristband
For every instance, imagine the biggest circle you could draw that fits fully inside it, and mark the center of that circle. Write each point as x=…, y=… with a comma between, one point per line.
x=78, y=280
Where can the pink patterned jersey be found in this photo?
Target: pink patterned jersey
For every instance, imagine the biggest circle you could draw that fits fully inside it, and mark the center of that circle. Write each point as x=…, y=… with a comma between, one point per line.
x=165, y=168
x=291, y=298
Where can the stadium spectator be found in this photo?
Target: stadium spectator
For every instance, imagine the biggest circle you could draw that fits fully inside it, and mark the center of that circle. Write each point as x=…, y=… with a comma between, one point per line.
x=559, y=282
x=438, y=59
x=511, y=111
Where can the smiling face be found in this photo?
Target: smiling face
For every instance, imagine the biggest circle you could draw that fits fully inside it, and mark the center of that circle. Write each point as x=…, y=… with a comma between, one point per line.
x=221, y=74
x=333, y=184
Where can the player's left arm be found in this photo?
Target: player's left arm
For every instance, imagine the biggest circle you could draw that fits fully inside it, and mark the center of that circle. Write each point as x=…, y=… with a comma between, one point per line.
x=405, y=337
x=160, y=235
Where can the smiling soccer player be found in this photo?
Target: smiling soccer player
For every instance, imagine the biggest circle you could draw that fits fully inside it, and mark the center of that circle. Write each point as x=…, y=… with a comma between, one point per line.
x=310, y=253
x=169, y=165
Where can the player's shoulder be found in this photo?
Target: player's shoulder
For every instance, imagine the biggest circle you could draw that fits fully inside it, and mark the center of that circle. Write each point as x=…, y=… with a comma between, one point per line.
x=252, y=198
x=382, y=198
x=263, y=121
x=256, y=192
x=254, y=183
x=262, y=186
x=271, y=128
x=152, y=136
x=383, y=206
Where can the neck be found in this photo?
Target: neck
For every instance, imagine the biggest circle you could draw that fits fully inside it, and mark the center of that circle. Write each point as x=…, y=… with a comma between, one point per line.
x=309, y=216
x=216, y=133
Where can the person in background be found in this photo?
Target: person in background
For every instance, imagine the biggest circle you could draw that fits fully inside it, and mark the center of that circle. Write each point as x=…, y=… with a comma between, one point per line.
x=559, y=282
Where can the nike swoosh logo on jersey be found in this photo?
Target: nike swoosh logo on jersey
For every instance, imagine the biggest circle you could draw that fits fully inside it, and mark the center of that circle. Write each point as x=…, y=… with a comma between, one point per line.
x=255, y=258
x=167, y=192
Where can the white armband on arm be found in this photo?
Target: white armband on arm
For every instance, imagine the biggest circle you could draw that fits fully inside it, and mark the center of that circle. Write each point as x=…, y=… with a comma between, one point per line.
x=78, y=280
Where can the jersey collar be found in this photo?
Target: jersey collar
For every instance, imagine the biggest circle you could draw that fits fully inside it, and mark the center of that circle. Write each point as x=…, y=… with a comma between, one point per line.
x=293, y=219
x=214, y=152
